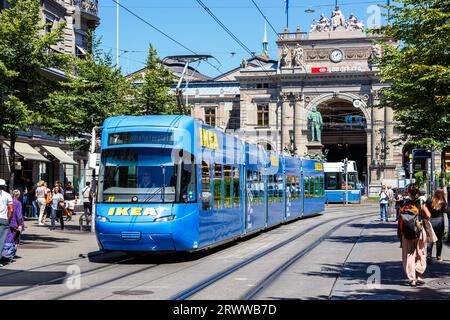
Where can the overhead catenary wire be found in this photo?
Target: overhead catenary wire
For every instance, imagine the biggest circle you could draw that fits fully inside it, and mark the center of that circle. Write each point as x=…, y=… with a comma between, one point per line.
x=162, y=32
x=265, y=18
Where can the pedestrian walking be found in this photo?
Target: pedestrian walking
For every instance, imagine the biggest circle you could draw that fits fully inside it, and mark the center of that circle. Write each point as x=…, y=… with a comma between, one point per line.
x=40, y=198
x=16, y=227
x=31, y=195
x=71, y=197
x=391, y=202
x=6, y=211
x=435, y=207
x=413, y=237
x=398, y=200
x=57, y=207
x=87, y=199
x=384, y=199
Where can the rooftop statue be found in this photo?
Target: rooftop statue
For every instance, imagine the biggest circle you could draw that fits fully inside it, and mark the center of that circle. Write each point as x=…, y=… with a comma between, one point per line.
x=337, y=18
x=322, y=25
x=353, y=23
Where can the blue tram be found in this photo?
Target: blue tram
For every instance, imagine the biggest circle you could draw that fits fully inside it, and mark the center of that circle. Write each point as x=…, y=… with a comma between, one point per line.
x=336, y=188
x=171, y=183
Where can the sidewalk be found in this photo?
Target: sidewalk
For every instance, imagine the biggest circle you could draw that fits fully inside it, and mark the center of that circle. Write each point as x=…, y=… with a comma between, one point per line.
x=40, y=246
x=376, y=259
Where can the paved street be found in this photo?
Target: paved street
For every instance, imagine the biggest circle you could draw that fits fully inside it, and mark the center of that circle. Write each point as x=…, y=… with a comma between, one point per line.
x=330, y=256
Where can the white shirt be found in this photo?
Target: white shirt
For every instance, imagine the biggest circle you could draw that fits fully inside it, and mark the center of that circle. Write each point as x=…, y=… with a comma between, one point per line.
x=5, y=200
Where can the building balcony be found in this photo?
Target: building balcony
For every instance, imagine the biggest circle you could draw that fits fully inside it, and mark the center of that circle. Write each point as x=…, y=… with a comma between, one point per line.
x=87, y=6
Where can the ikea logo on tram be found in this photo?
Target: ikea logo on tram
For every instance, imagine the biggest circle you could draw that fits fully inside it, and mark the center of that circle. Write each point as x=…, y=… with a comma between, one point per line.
x=318, y=166
x=208, y=139
x=132, y=212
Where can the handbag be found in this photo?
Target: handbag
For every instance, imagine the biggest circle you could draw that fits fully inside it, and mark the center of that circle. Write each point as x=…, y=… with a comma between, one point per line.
x=431, y=235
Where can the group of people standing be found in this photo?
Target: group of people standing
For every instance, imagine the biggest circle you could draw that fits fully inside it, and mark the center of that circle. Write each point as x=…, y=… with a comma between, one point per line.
x=55, y=203
x=420, y=225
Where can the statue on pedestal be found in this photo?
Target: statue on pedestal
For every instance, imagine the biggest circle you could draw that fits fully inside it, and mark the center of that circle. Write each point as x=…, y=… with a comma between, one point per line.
x=284, y=57
x=297, y=55
x=315, y=125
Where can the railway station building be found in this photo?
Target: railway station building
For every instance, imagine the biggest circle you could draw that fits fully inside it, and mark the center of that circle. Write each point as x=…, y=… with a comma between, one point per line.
x=266, y=101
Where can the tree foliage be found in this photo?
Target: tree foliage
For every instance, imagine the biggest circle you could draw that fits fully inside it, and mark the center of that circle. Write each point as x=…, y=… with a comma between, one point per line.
x=418, y=67
x=95, y=91
x=25, y=50
x=152, y=87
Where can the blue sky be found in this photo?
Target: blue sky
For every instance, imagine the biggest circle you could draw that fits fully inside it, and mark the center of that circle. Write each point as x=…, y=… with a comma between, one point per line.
x=189, y=24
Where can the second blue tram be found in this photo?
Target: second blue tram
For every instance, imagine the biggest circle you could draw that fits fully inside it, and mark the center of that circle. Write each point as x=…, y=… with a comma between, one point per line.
x=171, y=183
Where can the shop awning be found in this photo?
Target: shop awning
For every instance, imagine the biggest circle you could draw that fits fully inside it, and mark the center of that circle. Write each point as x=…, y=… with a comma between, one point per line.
x=60, y=155
x=27, y=152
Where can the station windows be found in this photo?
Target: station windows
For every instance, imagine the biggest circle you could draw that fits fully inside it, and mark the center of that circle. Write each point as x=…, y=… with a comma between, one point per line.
x=218, y=179
x=263, y=115
x=210, y=116
x=262, y=86
x=206, y=187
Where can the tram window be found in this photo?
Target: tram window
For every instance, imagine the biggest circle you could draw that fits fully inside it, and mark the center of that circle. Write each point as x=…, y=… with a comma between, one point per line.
x=228, y=184
x=273, y=189
x=236, y=188
x=322, y=192
x=279, y=184
x=331, y=181
x=306, y=187
x=297, y=188
x=206, y=187
x=218, y=192
x=317, y=187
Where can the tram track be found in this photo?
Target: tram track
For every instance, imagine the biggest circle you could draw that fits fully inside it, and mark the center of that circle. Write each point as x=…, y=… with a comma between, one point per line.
x=129, y=260
x=62, y=278
x=267, y=281
x=193, y=290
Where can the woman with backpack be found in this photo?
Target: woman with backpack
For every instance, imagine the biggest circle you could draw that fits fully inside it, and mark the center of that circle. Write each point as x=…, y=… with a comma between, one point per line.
x=435, y=207
x=413, y=237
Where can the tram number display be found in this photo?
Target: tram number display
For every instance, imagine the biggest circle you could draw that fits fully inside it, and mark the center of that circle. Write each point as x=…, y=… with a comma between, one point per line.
x=208, y=139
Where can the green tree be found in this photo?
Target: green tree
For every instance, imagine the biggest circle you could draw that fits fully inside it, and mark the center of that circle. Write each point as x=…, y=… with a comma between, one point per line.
x=95, y=91
x=419, y=70
x=152, y=87
x=25, y=51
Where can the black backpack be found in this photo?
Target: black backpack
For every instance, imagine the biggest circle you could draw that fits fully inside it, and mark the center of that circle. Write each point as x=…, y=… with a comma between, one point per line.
x=410, y=221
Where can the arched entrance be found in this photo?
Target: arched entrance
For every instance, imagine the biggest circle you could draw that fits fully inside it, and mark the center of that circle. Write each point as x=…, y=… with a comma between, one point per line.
x=344, y=133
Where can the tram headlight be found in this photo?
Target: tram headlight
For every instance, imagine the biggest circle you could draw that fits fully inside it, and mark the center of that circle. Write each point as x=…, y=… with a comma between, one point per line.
x=101, y=219
x=164, y=219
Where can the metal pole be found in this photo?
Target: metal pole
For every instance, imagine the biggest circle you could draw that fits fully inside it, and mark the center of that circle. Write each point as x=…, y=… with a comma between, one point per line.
x=117, y=34
x=432, y=169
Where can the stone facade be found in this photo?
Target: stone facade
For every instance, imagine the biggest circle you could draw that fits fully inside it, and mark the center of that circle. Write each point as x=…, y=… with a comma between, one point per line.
x=328, y=68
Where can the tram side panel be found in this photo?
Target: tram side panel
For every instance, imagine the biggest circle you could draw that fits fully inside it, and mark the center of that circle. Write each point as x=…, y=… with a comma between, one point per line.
x=275, y=189
x=313, y=186
x=293, y=188
x=255, y=207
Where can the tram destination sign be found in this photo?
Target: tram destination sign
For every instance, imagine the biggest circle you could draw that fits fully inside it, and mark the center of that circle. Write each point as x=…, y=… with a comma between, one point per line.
x=140, y=137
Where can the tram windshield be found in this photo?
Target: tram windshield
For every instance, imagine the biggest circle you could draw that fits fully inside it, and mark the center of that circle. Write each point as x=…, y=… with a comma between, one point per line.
x=145, y=175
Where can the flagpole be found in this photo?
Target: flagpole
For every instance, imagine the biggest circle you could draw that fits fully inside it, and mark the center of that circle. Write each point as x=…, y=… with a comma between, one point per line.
x=117, y=33
x=287, y=14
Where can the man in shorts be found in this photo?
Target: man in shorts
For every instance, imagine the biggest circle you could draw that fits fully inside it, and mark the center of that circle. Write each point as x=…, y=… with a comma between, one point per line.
x=71, y=198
